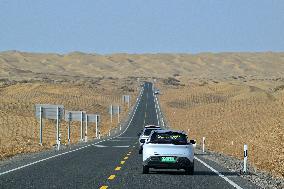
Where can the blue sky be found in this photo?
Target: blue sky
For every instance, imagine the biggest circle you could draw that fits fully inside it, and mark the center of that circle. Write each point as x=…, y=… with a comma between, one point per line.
x=145, y=26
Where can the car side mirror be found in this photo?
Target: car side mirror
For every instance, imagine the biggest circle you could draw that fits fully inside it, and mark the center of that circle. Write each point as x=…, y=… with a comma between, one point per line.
x=193, y=142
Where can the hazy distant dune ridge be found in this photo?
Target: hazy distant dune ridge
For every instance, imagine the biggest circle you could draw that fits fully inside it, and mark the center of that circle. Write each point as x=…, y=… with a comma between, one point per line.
x=16, y=64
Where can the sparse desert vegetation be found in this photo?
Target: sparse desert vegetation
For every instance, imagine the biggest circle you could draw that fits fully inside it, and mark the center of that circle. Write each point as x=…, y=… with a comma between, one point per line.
x=19, y=128
x=230, y=98
x=230, y=114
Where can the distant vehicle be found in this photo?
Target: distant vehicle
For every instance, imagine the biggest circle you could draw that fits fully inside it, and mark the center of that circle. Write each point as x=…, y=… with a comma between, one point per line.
x=152, y=126
x=145, y=135
x=168, y=149
x=157, y=91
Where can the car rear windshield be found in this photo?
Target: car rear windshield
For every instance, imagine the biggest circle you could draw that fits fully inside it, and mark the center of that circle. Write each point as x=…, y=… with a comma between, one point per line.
x=169, y=138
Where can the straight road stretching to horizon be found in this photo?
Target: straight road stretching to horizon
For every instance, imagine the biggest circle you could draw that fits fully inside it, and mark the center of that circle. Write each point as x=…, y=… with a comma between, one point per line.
x=115, y=162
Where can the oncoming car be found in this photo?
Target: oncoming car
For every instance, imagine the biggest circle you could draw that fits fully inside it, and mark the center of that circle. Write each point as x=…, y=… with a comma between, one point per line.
x=168, y=149
x=145, y=135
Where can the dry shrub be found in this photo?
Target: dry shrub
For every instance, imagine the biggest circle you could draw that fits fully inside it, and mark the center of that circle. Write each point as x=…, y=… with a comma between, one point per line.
x=19, y=131
x=230, y=116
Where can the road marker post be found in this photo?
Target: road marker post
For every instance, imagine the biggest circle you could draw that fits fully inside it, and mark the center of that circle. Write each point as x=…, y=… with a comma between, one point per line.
x=111, y=113
x=57, y=130
x=203, y=144
x=97, y=126
x=118, y=111
x=40, y=125
x=81, y=135
x=245, y=158
x=69, y=127
x=86, y=129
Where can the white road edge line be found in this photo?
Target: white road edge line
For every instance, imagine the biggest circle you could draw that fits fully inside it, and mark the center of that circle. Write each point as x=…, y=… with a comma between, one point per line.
x=219, y=174
x=57, y=155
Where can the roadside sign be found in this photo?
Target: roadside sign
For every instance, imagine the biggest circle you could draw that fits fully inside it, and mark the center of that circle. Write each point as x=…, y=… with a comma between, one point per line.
x=126, y=98
x=114, y=109
x=93, y=117
x=49, y=111
x=75, y=115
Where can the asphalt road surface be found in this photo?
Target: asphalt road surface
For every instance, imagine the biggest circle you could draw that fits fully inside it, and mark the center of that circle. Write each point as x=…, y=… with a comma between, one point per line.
x=115, y=163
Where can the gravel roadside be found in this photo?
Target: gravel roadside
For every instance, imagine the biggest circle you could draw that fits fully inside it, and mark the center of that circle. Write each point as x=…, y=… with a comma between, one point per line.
x=258, y=177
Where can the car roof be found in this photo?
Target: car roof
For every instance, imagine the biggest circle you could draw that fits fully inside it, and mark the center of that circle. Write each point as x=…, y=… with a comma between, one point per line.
x=168, y=131
x=151, y=126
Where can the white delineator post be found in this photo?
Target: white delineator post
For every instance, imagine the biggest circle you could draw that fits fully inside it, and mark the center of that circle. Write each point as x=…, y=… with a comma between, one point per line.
x=40, y=125
x=86, y=129
x=81, y=137
x=245, y=158
x=111, y=113
x=69, y=127
x=118, y=111
x=97, y=126
x=57, y=130
x=203, y=144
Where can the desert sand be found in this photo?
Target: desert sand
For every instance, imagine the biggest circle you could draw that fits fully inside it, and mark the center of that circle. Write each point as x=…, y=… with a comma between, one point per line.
x=232, y=99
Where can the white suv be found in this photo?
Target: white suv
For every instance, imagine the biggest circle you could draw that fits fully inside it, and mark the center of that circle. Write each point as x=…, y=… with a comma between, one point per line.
x=168, y=149
x=145, y=135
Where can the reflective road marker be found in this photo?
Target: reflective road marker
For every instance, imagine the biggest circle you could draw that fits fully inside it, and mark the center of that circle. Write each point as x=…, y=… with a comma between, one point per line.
x=111, y=177
x=122, y=162
x=117, y=168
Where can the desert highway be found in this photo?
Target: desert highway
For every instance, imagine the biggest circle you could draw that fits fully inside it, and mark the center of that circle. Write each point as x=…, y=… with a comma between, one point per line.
x=115, y=163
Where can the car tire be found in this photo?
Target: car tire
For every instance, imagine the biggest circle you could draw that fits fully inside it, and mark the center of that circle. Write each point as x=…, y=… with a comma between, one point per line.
x=145, y=169
x=190, y=170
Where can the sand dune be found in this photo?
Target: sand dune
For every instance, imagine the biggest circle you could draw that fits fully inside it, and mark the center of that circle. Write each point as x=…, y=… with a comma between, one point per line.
x=231, y=114
x=16, y=65
x=231, y=98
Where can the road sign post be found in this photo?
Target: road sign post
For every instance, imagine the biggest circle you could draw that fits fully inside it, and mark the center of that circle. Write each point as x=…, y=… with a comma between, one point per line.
x=59, y=142
x=126, y=99
x=75, y=116
x=92, y=118
x=48, y=111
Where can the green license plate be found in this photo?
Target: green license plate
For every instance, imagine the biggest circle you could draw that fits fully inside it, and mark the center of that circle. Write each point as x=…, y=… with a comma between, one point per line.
x=168, y=159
